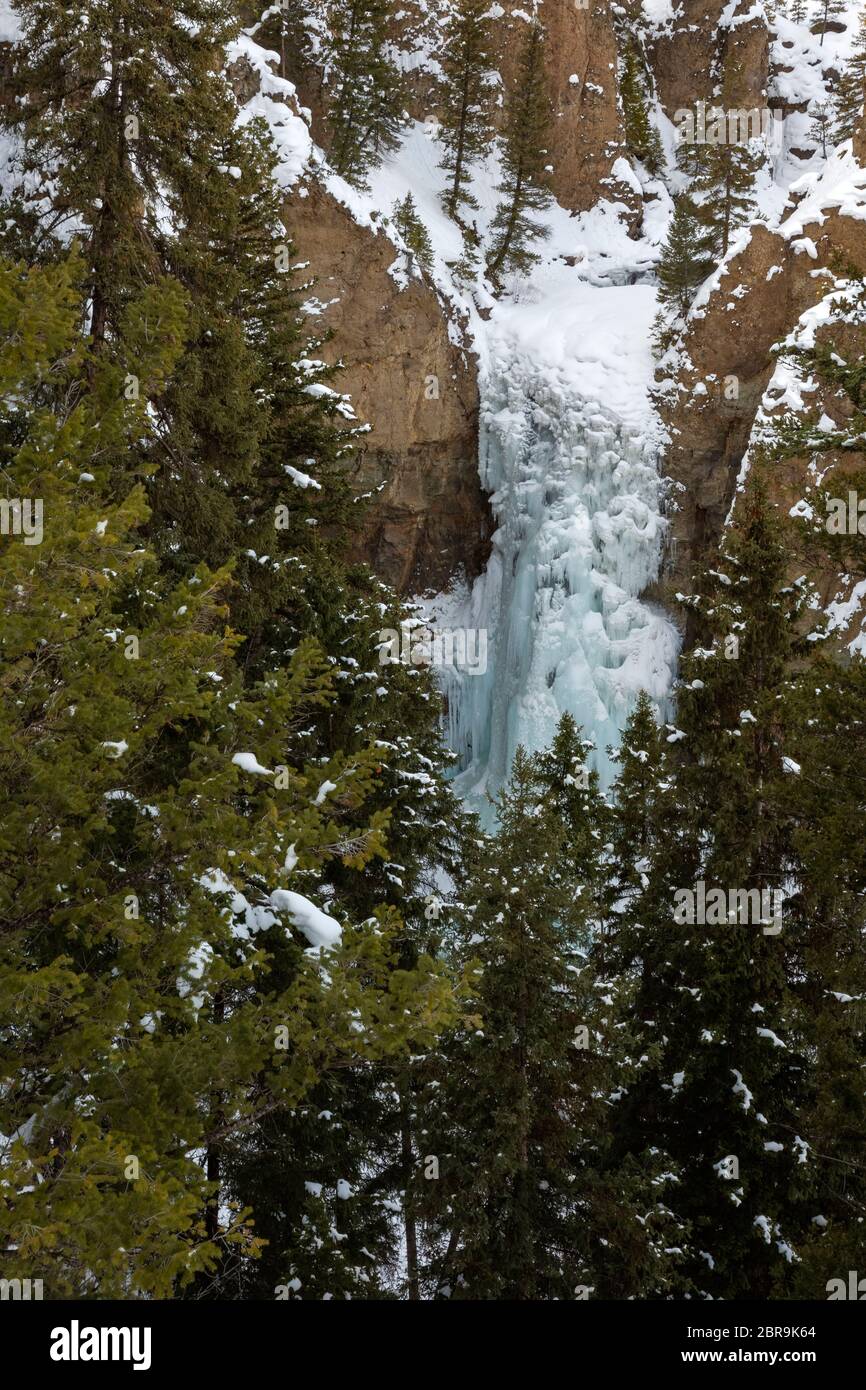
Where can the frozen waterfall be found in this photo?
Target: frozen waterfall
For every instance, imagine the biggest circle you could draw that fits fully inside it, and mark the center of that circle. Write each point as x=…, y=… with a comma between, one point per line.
x=575, y=495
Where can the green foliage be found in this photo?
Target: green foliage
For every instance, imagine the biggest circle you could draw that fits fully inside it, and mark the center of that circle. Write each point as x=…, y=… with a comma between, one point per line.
x=687, y=257
x=528, y=1202
x=524, y=158
x=820, y=126
x=413, y=231
x=242, y=460
x=127, y=133
x=365, y=107
x=723, y=190
x=148, y=956
x=835, y=362
x=641, y=138
x=848, y=97
x=465, y=99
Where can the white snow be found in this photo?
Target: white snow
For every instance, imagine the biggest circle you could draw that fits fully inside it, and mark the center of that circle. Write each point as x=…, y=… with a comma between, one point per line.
x=115, y=748
x=275, y=103
x=319, y=929
x=248, y=762
x=10, y=24
x=741, y=1089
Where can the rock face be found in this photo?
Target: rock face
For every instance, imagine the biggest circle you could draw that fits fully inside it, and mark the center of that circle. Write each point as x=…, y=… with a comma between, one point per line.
x=586, y=134
x=428, y=519
x=710, y=418
x=710, y=415
x=697, y=60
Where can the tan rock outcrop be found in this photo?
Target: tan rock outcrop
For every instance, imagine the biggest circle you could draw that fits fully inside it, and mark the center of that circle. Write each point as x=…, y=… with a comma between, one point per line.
x=428, y=518
x=586, y=133
x=756, y=305
x=695, y=60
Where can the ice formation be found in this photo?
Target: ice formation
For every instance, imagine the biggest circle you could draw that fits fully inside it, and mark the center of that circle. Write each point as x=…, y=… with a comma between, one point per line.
x=575, y=494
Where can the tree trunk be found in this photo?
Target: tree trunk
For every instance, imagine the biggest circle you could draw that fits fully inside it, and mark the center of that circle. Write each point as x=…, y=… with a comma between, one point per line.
x=408, y=1217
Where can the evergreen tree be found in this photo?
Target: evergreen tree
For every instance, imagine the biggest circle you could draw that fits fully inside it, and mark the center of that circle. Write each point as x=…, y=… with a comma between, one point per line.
x=288, y=28
x=145, y=849
x=464, y=99
x=687, y=257
x=820, y=126
x=243, y=460
x=413, y=231
x=365, y=108
x=827, y=710
x=835, y=359
x=829, y=17
x=523, y=185
x=722, y=1085
x=572, y=791
x=522, y=1200
x=125, y=132
x=848, y=97
x=503, y=1188
x=824, y=711
x=357, y=1132
x=641, y=138
x=723, y=190
x=638, y=798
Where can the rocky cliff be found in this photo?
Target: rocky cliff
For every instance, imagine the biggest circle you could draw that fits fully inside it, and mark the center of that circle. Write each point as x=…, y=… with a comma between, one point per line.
x=411, y=369
x=427, y=517
x=728, y=379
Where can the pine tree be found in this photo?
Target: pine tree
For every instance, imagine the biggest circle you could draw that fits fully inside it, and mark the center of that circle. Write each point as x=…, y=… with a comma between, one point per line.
x=126, y=132
x=638, y=796
x=152, y=953
x=831, y=12
x=687, y=257
x=827, y=708
x=848, y=97
x=835, y=359
x=365, y=110
x=503, y=1199
x=820, y=126
x=716, y=1011
x=824, y=712
x=288, y=28
x=796, y=11
x=523, y=185
x=359, y=1128
x=464, y=127
x=723, y=191
x=641, y=138
x=413, y=231
x=572, y=791
x=520, y=1198
x=244, y=458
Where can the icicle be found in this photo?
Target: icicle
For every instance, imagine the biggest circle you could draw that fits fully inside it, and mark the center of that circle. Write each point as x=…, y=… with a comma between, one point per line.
x=576, y=498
